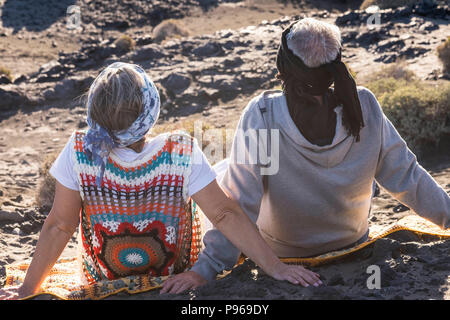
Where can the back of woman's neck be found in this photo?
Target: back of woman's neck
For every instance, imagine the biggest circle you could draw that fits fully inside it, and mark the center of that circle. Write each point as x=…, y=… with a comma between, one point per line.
x=137, y=146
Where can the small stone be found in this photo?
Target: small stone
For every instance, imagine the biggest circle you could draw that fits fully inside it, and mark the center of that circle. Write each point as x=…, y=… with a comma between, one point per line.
x=19, y=198
x=82, y=124
x=400, y=208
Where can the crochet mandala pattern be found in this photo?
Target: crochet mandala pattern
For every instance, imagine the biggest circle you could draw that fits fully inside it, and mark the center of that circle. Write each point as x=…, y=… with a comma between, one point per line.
x=140, y=220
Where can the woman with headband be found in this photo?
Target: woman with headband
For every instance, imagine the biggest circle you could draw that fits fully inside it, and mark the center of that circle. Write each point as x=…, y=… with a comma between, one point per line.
x=132, y=197
x=334, y=142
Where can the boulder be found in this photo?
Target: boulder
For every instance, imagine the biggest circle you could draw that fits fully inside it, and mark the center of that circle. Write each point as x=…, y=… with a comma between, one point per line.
x=176, y=82
x=147, y=52
x=10, y=217
x=12, y=99
x=68, y=88
x=210, y=49
x=4, y=80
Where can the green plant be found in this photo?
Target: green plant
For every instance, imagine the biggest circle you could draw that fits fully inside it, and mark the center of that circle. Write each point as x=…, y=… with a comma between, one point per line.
x=170, y=28
x=443, y=52
x=125, y=43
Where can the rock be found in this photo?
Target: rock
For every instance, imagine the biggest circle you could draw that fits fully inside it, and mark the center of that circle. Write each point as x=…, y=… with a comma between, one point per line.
x=412, y=52
x=402, y=12
x=11, y=99
x=20, y=79
x=389, y=45
x=51, y=67
x=368, y=38
x=19, y=198
x=176, y=82
x=349, y=17
x=209, y=93
x=230, y=63
x=148, y=52
x=144, y=40
x=27, y=227
x=425, y=7
x=68, y=88
x=207, y=3
x=386, y=58
x=10, y=217
x=209, y=49
x=4, y=79
x=428, y=26
x=400, y=208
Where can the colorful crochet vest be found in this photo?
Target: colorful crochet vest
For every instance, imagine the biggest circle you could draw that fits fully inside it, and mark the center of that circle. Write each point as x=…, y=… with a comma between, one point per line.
x=140, y=221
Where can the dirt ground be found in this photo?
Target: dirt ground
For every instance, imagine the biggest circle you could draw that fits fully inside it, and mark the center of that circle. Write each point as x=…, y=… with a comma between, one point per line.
x=411, y=267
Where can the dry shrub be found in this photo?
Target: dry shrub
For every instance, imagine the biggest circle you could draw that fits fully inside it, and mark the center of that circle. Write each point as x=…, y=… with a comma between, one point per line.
x=6, y=72
x=351, y=71
x=168, y=29
x=419, y=111
x=384, y=4
x=125, y=43
x=443, y=52
x=208, y=140
x=46, y=189
x=398, y=71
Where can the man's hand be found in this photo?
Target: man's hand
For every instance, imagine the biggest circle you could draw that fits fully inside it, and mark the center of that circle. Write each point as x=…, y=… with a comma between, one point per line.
x=296, y=275
x=182, y=282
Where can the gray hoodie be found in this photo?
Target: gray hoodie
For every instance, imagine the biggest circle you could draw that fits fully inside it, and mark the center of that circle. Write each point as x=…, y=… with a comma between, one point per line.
x=319, y=200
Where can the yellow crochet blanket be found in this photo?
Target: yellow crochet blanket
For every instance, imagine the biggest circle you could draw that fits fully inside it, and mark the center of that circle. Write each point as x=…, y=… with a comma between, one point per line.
x=63, y=281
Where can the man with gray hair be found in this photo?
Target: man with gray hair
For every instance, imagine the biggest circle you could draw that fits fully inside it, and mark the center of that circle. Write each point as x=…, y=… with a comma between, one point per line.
x=333, y=144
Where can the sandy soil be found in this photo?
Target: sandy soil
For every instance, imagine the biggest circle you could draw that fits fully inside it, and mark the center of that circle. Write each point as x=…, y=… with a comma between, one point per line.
x=411, y=267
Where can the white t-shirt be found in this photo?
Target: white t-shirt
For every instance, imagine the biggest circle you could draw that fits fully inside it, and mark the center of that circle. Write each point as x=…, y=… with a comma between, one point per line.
x=201, y=173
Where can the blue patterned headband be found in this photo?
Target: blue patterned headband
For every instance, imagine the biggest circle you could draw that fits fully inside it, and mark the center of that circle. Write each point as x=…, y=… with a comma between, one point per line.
x=98, y=142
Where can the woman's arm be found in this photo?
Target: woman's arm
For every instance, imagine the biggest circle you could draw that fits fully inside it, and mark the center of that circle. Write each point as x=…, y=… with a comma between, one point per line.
x=58, y=228
x=229, y=218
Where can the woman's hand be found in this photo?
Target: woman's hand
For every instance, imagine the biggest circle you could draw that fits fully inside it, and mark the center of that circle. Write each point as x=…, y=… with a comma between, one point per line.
x=182, y=282
x=14, y=293
x=228, y=217
x=296, y=275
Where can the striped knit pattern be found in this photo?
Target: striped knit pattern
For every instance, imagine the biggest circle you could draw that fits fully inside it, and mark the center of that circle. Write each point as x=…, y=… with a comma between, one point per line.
x=140, y=221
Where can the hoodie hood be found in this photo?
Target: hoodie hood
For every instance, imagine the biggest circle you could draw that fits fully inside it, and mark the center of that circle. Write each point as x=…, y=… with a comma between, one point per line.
x=326, y=156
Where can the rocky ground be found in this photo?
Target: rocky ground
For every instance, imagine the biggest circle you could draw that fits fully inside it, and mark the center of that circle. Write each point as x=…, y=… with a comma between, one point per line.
x=209, y=75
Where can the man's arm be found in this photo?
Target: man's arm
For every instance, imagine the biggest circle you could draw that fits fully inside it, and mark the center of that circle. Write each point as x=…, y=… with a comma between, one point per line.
x=400, y=174
x=219, y=253
x=243, y=183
